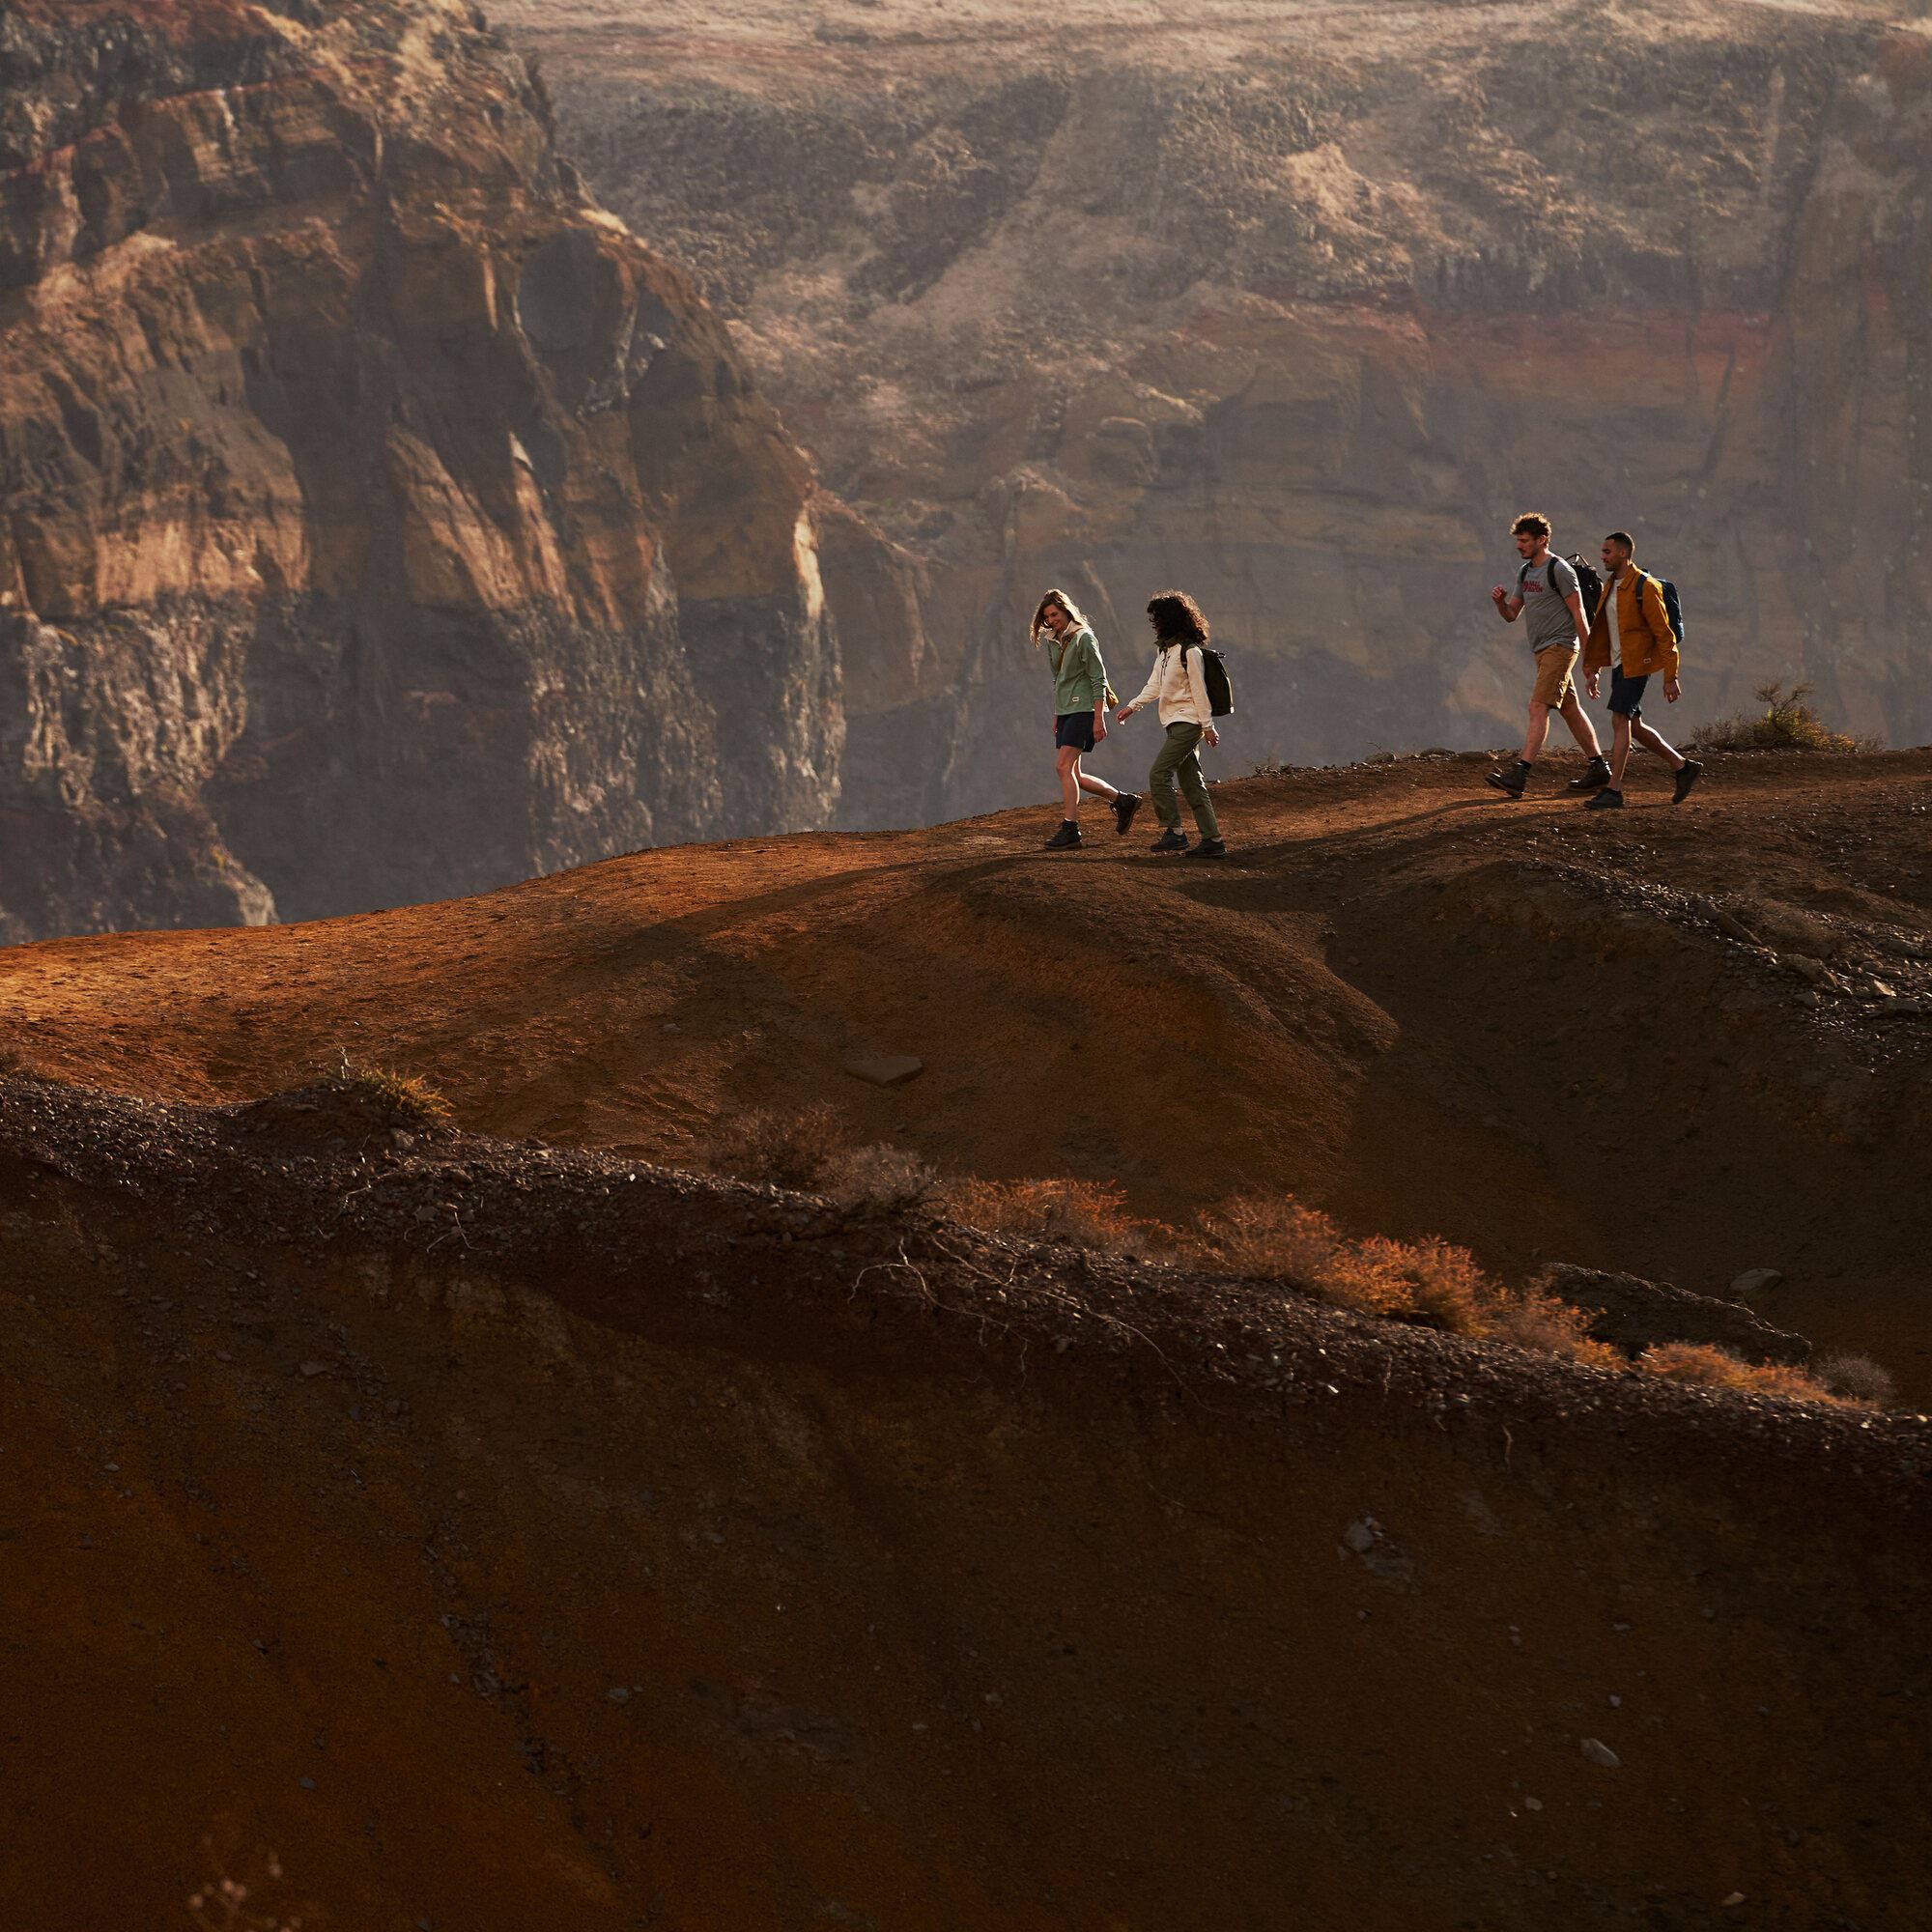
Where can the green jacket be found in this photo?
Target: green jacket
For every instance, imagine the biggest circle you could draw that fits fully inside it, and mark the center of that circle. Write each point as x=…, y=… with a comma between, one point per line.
x=1079, y=677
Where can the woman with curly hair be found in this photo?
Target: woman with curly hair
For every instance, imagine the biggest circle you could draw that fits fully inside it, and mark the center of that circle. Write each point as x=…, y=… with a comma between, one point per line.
x=1080, y=697
x=1180, y=689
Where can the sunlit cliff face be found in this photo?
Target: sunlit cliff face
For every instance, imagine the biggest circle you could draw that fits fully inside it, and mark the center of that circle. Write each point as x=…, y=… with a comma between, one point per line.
x=385, y=519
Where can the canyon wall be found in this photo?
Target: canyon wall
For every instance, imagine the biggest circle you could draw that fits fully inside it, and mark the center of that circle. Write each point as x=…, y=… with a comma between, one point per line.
x=383, y=520
x=1298, y=307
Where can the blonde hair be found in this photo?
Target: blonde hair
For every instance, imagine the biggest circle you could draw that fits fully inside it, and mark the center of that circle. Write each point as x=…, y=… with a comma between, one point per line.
x=1067, y=604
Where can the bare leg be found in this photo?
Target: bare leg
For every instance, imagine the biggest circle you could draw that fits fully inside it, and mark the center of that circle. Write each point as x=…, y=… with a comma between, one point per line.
x=1581, y=727
x=1620, y=749
x=1538, y=732
x=1069, y=782
x=1654, y=740
x=1099, y=788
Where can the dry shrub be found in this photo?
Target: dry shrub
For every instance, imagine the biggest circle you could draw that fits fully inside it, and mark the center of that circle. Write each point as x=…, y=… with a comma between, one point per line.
x=1539, y=1321
x=1083, y=1214
x=406, y=1094
x=1789, y=723
x=1706, y=1366
x=780, y=1150
x=1272, y=1236
x=884, y=1180
x=1858, y=1378
x=1429, y=1283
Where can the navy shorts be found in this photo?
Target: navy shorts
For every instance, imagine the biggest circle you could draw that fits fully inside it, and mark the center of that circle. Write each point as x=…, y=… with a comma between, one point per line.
x=1627, y=693
x=1074, y=729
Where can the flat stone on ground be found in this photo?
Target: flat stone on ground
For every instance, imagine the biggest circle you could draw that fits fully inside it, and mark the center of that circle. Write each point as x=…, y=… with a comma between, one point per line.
x=885, y=1069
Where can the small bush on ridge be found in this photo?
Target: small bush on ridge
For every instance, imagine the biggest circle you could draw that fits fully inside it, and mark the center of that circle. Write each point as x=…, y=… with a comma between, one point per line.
x=1706, y=1366
x=780, y=1150
x=406, y=1094
x=886, y=1180
x=1083, y=1214
x=1789, y=723
x=1859, y=1376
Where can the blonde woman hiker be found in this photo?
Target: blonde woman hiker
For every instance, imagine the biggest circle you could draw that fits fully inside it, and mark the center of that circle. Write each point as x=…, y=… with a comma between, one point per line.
x=1080, y=695
x=1181, y=690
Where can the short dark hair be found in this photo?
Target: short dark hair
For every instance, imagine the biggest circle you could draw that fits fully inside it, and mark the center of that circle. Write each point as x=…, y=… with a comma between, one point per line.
x=1624, y=538
x=1177, y=618
x=1531, y=524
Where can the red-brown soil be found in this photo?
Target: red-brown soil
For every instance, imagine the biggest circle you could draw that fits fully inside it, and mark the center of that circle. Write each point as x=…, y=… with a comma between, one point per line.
x=471, y=1534
x=1403, y=999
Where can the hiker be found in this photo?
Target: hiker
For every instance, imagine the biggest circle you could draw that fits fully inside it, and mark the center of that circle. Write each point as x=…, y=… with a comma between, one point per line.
x=1633, y=634
x=1080, y=697
x=1549, y=597
x=1179, y=683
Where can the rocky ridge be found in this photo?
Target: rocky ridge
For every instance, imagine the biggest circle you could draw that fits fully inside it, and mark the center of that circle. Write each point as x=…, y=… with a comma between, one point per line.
x=383, y=519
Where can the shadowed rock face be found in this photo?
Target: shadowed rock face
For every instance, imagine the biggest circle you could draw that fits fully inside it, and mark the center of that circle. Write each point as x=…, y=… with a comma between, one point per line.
x=1298, y=307
x=383, y=520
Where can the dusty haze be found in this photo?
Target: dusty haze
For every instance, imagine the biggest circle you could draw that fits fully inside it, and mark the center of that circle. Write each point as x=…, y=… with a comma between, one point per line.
x=1297, y=305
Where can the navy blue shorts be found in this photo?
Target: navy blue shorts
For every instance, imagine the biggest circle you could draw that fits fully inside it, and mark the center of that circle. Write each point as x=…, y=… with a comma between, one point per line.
x=1627, y=693
x=1074, y=729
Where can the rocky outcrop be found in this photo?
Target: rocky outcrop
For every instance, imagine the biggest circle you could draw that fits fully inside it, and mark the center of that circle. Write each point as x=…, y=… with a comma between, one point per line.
x=1634, y=1315
x=383, y=520
x=1299, y=310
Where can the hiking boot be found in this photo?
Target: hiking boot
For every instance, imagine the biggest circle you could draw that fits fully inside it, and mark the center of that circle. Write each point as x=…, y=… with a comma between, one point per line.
x=1125, y=804
x=1171, y=841
x=1606, y=800
x=1066, y=839
x=1209, y=848
x=1510, y=779
x=1596, y=776
x=1688, y=774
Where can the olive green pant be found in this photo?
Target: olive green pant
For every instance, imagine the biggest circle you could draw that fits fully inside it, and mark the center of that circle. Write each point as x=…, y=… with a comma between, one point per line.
x=1177, y=759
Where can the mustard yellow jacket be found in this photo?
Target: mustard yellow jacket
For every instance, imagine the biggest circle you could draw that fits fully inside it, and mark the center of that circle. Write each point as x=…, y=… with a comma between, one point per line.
x=1643, y=629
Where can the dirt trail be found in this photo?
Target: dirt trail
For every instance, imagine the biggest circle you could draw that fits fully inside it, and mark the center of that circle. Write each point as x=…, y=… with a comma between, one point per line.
x=1424, y=1009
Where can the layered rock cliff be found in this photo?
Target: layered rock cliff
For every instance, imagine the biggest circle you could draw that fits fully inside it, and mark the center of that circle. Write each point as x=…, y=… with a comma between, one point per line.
x=383, y=520
x=1297, y=307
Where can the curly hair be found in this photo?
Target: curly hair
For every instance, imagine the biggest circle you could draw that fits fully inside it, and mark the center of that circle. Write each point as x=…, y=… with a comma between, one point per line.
x=1177, y=618
x=1531, y=524
x=1065, y=603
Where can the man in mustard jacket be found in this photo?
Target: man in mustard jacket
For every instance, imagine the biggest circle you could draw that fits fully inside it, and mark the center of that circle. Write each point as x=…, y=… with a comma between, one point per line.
x=1631, y=633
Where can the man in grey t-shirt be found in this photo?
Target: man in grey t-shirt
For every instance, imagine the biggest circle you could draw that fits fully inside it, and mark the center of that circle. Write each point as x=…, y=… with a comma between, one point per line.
x=1549, y=601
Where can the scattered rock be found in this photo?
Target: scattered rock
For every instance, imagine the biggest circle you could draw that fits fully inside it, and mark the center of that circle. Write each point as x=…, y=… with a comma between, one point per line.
x=1634, y=1315
x=1755, y=1282
x=314, y=1369
x=617, y=1694
x=1366, y=1539
x=1599, y=1753
x=885, y=1069
x=1805, y=966
x=1736, y=1899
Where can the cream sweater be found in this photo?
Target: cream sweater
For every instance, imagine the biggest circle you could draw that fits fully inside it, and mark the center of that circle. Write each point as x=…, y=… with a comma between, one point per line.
x=1177, y=683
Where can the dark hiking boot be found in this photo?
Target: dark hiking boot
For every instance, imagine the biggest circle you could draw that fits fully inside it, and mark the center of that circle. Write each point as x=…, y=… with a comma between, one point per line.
x=1609, y=798
x=1688, y=774
x=1596, y=776
x=1511, y=779
x=1066, y=839
x=1125, y=807
x=1171, y=841
x=1209, y=848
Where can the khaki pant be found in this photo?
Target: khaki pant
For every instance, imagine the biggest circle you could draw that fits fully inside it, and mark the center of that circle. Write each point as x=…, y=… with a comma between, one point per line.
x=1553, y=682
x=1177, y=759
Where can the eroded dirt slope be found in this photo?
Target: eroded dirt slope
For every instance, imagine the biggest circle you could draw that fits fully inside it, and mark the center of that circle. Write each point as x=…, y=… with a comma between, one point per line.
x=1683, y=1042
x=483, y=1535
